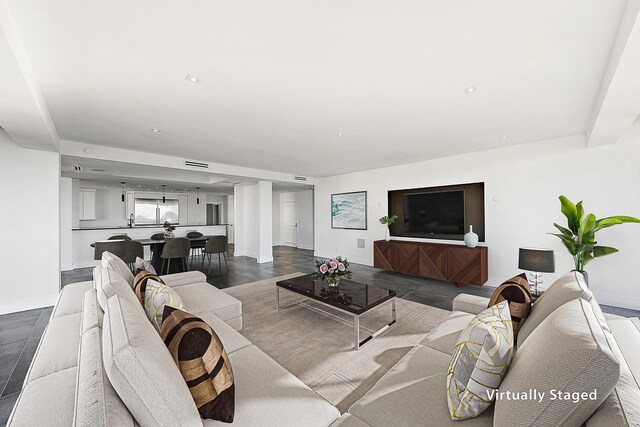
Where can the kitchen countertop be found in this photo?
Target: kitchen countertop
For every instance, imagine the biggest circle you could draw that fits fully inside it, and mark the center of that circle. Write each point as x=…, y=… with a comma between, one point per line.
x=124, y=227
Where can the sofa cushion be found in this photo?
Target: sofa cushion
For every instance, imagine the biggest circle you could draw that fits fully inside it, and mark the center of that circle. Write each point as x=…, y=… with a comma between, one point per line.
x=567, y=352
x=516, y=291
x=413, y=393
x=113, y=262
x=96, y=404
x=141, y=369
x=70, y=299
x=111, y=283
x=91, y=311
x=47, y=401
x=479, y=362
x=231, y=339
x=156, y=297
x=185, y=278
x=445, y=335
x=58, y=349
x=203, y=363
x=567, y=288
x=621, y=408
x=269, y=395
x=201, y=297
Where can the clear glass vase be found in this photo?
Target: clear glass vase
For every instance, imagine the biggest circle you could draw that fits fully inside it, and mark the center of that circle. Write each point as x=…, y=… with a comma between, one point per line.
x=333, y=281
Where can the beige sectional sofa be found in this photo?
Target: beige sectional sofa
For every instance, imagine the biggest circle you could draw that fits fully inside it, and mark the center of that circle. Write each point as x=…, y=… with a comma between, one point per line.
x=566, y=344
x=97, y=367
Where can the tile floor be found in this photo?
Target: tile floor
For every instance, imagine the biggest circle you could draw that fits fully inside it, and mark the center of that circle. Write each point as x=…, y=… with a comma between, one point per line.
x=21, y=332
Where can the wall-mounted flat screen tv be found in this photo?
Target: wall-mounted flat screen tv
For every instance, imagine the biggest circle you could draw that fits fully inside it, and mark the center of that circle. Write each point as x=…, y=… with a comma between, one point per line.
x=434, y=213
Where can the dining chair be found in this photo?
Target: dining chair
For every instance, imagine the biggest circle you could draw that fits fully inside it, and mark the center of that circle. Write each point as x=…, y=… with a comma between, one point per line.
x=155, y=236
x=120, y=237
x=133, y=250
x=195, y=246
x=116, y=247
x=176, y=248
x=216, y=245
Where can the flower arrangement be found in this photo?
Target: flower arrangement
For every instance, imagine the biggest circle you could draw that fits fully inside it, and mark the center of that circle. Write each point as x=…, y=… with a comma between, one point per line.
x=331, y=270
x=168, y=229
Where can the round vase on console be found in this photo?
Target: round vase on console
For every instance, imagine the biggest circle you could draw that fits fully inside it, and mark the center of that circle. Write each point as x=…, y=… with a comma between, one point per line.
x=471, y=238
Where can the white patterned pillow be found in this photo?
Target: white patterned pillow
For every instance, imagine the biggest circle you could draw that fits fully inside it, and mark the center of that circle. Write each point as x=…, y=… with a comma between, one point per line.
x=479, y=361
x=143, y=264
x=156, y=296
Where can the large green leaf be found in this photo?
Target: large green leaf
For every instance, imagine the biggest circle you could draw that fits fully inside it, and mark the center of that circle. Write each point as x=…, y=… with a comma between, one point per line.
x=614, y=220
x=579, y=211
x=568, y=243
x=598, y=251
x=571, y=212
x=565, y=231
x=587, y=231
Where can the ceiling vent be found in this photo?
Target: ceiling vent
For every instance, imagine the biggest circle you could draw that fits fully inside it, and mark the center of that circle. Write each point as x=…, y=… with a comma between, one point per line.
x=78, y=168
x=196, y=164
x=299, y=178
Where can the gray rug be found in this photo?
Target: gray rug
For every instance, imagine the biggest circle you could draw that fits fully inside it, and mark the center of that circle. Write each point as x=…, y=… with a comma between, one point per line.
x=316, y=344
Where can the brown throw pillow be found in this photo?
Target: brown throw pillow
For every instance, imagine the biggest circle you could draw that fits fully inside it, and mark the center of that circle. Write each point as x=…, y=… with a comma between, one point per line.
x=140, y=283
x=203, y=362
x=516, y=291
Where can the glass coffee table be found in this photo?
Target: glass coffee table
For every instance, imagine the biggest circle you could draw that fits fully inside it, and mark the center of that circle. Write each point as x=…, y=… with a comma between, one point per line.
x=349, y=297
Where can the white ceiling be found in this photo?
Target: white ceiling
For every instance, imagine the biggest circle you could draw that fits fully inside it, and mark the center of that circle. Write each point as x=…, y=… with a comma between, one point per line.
x=285, y=78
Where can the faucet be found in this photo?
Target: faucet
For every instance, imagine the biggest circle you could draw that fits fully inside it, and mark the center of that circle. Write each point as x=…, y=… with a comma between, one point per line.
x=131, y=221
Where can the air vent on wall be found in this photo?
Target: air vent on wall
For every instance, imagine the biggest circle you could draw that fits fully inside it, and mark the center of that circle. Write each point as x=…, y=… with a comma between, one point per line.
x=196, y=164
x=299, y=178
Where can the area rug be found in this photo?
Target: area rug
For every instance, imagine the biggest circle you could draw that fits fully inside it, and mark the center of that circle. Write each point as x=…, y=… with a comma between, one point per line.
x=315, y=343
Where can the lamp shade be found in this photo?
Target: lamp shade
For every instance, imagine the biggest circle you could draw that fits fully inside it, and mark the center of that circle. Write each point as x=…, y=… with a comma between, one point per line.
x=538, y=260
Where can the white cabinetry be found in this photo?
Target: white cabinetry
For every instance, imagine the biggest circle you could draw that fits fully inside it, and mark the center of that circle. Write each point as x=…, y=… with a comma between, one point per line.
x=87, y=208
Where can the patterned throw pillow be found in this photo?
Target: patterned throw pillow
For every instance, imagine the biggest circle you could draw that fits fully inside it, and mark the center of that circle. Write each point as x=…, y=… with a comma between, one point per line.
x=203, y=362
x=479, y=361
x=140, y=283
x=516, y=292
x=143, y=264
x=156, y=297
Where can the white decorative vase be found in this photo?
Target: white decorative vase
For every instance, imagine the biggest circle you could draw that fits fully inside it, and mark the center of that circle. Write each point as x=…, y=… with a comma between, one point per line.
x=471, y=238
x=386, y=233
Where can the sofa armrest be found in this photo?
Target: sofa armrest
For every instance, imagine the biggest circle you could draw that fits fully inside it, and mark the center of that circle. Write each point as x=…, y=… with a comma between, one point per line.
x=186, y=278
x=471, y=304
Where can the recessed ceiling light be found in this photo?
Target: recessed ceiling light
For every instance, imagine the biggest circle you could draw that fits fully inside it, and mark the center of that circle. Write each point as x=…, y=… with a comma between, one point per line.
x=88, y=150
x=340, y=134
x=139, y=186
x=275, y=156
x=193, y=79
x=504, y=136
x=156, y=130
x=470, y=89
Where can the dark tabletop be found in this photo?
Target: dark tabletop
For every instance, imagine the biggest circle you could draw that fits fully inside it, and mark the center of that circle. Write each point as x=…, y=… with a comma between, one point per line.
x=151, y=242
x=350, y=296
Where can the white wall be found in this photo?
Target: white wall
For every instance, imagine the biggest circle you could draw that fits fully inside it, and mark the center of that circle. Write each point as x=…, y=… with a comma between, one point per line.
x=305, y=217
x=30, y=217
x=527, y=179
x=252, y=221
x=66, y=224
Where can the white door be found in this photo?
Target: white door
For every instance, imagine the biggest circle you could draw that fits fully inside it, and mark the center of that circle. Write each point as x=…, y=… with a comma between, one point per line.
x=289, y=223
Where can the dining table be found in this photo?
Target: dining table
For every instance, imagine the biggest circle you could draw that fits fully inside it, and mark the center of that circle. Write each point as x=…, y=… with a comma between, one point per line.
x=156, y=246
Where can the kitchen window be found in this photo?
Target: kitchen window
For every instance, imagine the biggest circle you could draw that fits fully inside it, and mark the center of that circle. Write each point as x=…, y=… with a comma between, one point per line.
x=153, y=211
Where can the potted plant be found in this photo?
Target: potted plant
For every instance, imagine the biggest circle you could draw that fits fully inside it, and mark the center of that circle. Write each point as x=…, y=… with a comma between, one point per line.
x=331, y=270
x=168, y=230
x=580, y=235
x=387, y=221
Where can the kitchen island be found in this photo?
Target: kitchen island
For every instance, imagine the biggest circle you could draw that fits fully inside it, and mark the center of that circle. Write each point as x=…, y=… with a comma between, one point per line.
x=82, y=238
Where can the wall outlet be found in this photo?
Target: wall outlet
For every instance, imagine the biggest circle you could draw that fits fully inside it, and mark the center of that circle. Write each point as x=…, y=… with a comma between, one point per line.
x=360, y=243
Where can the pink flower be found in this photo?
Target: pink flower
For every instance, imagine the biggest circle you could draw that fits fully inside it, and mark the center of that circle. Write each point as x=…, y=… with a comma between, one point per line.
x=332, y=270
x=323, y=268
x=334, y=264
x=341, y=267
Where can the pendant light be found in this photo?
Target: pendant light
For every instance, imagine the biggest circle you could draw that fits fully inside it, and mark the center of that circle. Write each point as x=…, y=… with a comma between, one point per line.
x=197, y=195
x=123, y=183
x=163, y=198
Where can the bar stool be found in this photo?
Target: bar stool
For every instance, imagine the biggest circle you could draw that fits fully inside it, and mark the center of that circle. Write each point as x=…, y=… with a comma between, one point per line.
x=133, y=250
x=195, y=246
x=216, y=245
x=176, y=248
x=156, y=236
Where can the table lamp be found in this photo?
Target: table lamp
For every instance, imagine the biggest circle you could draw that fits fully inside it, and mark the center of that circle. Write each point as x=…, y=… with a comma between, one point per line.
x=537, y=261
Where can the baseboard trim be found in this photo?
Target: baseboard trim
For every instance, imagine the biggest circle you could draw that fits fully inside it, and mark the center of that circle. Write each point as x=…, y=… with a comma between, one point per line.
x=616, y=301
x=16, y=306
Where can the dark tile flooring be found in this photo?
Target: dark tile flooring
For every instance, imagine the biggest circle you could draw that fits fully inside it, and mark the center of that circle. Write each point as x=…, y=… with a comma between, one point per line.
x=21, y=332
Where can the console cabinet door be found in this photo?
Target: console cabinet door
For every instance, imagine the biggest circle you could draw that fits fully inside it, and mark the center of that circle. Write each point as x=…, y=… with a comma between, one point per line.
x=407, y=259
x=433, y=262
x=463, y=265
x=384, y=255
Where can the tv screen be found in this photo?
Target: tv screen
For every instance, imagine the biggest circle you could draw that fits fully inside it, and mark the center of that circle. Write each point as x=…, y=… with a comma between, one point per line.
x=434, y=213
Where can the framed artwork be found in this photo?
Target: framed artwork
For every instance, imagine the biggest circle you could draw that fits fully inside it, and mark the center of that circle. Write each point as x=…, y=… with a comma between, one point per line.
x=349, y=210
